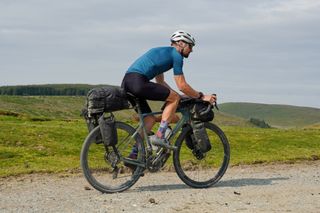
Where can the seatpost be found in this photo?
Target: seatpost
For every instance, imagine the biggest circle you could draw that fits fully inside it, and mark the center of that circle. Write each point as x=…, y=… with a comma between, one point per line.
x=141, y=118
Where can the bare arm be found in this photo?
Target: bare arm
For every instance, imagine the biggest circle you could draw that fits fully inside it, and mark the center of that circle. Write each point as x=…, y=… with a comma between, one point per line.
x=184, y=87
x=189, y=91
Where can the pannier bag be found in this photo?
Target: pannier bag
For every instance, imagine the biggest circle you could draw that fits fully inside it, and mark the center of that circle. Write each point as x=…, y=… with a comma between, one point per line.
x=202, y=111
x=190, y=141
x=108, y=130
x=106, y=99
x=92, y=122
x=200, y=136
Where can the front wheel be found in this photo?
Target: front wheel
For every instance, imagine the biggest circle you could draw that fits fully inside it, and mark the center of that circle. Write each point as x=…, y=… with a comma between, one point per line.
x=202, y=172
x=112, y=169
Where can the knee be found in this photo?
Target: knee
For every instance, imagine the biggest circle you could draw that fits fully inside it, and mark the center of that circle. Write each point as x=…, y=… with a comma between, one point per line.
x=175, y=97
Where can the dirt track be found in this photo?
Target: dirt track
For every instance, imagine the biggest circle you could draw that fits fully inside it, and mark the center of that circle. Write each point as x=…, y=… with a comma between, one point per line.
x=263, y=188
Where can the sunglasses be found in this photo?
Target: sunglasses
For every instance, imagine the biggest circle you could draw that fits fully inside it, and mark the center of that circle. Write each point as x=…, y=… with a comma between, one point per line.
x=190, y=45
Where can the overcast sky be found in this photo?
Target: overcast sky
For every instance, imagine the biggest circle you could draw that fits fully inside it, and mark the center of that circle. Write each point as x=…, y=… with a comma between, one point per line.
x=252, y=51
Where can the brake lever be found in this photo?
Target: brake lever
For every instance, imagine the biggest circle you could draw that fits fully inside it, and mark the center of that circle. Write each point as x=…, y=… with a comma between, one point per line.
x=215, y=105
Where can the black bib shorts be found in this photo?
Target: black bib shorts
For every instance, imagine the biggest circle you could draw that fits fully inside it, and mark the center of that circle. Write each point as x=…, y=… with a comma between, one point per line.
x=140, y=86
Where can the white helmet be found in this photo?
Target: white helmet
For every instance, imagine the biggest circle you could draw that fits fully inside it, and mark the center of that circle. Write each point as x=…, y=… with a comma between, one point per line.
x=182, y=35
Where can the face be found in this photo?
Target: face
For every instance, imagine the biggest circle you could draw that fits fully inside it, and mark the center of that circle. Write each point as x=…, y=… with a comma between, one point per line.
x=186, y=49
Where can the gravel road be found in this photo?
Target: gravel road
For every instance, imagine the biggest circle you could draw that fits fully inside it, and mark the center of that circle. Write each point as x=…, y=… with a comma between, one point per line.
x=261, y=188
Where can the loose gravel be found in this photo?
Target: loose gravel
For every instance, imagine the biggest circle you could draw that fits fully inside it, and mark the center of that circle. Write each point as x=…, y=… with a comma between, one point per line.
x=259, y=188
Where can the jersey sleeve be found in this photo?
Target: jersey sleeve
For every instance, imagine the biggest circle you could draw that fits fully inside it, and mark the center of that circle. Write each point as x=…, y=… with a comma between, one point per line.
x=177, y=63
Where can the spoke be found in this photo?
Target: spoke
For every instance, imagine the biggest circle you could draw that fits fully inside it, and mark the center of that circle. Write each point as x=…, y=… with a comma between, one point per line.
x=119, y=144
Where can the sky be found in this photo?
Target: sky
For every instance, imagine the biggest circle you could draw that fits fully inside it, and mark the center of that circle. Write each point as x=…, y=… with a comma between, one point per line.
x=265, y=51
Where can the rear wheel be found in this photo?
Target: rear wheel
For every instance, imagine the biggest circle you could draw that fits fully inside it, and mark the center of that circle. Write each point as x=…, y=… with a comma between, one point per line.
x=106, y=168
x=197, y=170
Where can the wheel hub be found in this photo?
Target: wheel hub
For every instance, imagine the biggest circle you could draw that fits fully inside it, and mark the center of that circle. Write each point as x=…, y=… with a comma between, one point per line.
x=198, y=154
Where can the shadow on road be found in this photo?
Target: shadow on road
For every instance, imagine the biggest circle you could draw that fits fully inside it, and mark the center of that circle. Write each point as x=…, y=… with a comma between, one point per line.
x=223, y=183
x=248, y=182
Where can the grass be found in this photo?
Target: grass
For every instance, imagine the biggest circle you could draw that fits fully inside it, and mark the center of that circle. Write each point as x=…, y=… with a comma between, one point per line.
x=35, y=146
x=46, y=146
x=254, y=145
x=54, y=107
x=45, y=134
x=69, y=107
x=275, y=115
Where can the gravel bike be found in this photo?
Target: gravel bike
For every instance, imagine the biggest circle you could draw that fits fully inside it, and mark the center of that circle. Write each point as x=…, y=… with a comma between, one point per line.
x=106, y=168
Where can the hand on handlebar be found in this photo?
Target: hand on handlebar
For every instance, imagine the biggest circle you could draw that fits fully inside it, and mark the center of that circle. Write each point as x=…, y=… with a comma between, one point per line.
x=210, y=98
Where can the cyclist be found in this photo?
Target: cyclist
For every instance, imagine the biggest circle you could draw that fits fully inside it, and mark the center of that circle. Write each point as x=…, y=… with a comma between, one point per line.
x=152, y=65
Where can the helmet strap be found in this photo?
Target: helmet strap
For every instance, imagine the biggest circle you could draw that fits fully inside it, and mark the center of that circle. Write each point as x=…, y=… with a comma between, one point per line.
x=181, y=48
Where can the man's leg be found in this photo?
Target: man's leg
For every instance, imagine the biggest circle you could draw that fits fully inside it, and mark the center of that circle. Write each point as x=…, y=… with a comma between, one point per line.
x=168, y=113
x=171, y=106
x=149, y=122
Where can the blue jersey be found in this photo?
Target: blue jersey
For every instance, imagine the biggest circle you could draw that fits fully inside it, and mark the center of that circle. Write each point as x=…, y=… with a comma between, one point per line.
x=157, y=61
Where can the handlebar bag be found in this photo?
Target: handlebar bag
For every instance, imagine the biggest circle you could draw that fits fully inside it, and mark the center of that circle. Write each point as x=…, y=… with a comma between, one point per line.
x=202, y=111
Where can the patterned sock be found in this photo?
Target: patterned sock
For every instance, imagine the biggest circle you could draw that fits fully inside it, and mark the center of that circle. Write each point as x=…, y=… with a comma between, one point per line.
x=162, y=129
x=134, y=150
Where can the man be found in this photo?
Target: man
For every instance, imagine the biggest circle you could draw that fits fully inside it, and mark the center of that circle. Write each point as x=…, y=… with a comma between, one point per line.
x=153, y=64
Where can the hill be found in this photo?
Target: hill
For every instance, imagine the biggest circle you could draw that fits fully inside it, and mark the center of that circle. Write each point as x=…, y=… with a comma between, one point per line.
x=230, y=114
x=48, y=89
x=276, y=115
x=313, y=126
x=69, y=107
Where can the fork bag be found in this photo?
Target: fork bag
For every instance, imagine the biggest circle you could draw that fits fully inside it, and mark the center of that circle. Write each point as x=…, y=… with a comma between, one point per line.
x=201, y=136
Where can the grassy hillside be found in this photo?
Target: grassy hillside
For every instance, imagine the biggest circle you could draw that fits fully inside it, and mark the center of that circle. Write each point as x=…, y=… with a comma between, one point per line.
x=313, y=126
x=45, y=134
x=70, y=99
x=53, y=107
x=69, y=107
x=48, y=89
x=276, y=115
x=53, y=146
x=231, y=114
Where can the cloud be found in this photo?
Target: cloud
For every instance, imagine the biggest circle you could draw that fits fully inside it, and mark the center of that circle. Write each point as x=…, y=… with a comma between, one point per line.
x=245, y=49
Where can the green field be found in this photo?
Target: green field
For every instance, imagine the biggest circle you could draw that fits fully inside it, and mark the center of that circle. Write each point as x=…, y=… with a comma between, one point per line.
x=275, y=115
x=45, y=134
x=54, y=146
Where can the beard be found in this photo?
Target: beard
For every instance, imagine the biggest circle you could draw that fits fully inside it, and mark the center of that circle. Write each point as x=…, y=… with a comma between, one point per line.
x=186, y=55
